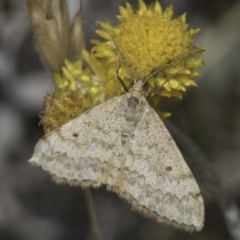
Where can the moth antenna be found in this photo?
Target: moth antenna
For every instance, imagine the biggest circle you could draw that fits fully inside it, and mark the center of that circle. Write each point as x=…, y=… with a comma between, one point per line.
x=118, y=50
x=173, y=62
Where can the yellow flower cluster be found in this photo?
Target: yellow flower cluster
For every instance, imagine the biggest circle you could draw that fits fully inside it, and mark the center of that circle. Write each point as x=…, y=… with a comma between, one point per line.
x=148, y=39
x=75, y=78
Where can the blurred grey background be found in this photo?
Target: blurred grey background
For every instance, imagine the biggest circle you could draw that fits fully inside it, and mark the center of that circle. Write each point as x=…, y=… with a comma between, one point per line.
x=32, y=207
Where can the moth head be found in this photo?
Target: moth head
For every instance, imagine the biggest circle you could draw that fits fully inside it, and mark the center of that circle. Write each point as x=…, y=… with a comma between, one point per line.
x=139, y=85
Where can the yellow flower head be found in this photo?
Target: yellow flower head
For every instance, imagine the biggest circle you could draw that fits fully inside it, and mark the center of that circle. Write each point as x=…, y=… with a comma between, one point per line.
x=63, y=105
x=148, y=39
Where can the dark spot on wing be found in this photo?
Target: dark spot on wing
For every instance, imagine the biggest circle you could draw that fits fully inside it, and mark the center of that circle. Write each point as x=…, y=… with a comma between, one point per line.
x=75, y=135
x=169, y=168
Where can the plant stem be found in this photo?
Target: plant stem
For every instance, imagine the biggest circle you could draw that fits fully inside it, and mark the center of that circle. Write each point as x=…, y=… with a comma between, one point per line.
x=91, y=213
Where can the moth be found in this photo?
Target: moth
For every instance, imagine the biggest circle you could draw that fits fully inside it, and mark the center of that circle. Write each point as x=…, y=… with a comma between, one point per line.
x=123, y=144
